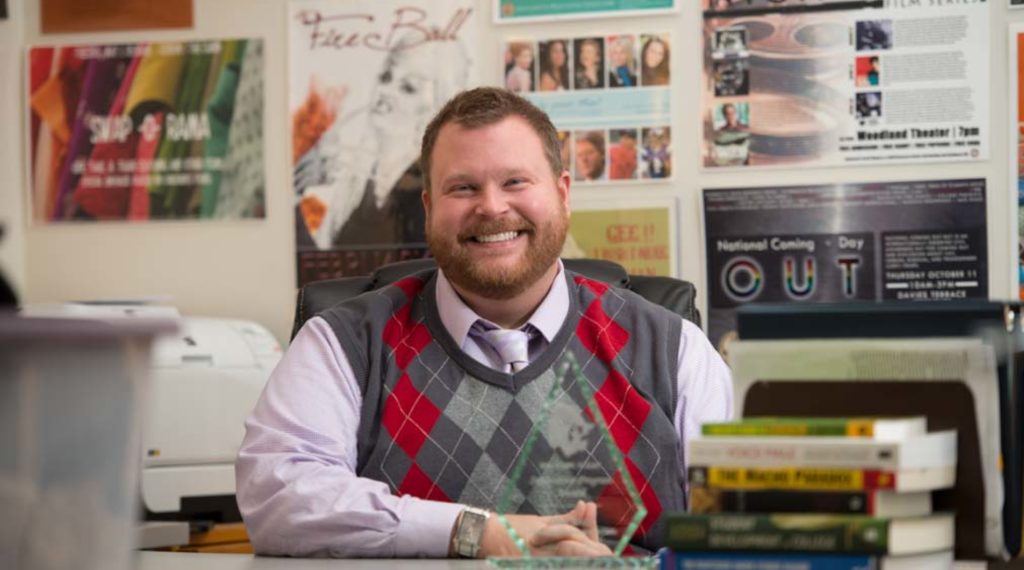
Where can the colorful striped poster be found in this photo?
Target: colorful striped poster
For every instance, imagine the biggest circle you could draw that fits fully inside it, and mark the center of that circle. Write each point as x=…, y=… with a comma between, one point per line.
x=146, y=131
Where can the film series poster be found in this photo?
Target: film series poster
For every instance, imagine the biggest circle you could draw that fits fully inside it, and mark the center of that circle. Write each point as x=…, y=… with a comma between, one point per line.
x=509, y=11
x=883, y=241
x=1017, y=142
x=147, y=131
x=364, y=81
x=609, y=95
x=840, y=82
x=639, y=238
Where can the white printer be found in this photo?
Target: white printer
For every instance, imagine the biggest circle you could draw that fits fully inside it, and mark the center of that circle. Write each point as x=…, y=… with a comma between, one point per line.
x=205, y=381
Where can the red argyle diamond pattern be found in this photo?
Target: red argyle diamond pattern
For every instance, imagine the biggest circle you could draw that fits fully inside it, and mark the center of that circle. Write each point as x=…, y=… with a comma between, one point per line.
x=417, y=484
x=598, y=287
x=411, y=286
x=615, y=506
x=597, y=331
x=623, y=408
x=409, y=416
x=404, y=335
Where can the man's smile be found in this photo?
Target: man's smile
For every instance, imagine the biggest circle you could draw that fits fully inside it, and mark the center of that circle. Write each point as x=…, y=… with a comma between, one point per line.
x=497, y=238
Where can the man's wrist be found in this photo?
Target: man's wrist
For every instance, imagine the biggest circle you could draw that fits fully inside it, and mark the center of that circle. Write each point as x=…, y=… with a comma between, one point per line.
x=468, y=533
x=496, y=540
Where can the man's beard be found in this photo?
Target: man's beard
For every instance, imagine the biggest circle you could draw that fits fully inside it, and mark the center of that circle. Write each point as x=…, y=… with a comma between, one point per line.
x=504, y=282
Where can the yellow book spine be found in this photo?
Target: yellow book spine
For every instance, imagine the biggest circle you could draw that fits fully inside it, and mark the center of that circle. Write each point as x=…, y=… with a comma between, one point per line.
x=797, y=478
x=860, y=428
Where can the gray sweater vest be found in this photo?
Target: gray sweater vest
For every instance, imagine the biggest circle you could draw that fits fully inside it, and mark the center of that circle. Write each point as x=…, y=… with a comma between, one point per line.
x=437, y=424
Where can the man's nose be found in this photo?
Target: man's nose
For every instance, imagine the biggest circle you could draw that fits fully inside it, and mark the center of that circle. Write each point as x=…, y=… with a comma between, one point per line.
x=491, y=201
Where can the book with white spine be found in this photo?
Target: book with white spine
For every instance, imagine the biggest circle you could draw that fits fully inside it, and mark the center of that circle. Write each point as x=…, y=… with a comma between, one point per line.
x=930, y=450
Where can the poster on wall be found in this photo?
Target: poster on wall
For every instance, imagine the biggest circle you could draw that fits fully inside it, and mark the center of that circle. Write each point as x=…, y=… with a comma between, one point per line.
x=844, y=83
x=640, y=238
x=876, y=241
x=1017, y=145
x=609, y=96
x=66, y=16
x=516, y=11
x=146, y=131
x=364, y=81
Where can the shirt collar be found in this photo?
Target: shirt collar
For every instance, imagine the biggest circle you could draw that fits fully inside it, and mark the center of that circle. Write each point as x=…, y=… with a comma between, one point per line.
x=457, y=317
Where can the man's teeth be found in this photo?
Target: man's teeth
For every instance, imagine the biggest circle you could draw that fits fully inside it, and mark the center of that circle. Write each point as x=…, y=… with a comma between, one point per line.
x=503, y=236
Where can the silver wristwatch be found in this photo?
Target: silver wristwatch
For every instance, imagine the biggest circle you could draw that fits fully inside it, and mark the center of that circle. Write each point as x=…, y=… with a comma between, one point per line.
x=469, y=532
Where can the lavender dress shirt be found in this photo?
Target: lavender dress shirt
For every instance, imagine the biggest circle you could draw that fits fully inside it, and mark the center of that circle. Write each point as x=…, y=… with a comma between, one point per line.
x=295, y=475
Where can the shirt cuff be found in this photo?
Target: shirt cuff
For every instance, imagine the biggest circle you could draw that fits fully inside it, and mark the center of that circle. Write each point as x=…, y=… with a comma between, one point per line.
x=425, y=529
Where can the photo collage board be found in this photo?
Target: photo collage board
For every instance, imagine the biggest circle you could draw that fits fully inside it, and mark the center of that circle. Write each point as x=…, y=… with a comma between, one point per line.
x=609, y=96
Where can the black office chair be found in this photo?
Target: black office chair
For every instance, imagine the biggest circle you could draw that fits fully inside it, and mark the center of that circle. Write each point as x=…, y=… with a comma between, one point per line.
x=675, y=295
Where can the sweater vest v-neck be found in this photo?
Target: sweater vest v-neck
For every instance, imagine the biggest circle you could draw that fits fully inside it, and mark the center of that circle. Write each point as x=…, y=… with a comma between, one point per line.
x=439, y=425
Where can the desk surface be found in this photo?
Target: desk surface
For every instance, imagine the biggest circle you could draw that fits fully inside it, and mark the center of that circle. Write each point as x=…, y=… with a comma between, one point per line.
x=199, y=561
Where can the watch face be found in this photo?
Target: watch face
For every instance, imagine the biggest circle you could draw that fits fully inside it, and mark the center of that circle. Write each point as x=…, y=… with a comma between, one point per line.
x=470, y=532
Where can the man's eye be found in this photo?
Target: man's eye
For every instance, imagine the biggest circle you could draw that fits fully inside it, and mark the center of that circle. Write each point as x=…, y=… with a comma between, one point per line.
x=385, y=77
x=409, y=88
x=515, y=182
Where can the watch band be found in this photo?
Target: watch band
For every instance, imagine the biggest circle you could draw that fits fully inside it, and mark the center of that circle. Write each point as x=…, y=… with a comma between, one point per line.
x=469, y=532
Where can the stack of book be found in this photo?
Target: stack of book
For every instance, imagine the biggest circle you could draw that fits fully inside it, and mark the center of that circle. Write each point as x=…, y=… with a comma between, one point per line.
x=815, y=494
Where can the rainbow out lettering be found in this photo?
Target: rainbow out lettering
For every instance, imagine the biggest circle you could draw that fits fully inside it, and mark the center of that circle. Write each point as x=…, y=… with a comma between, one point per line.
x=793, y=288
x=742, y=279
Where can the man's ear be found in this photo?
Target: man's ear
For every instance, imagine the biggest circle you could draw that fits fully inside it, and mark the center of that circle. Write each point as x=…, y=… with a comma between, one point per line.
x=425, y=198
x=563, y=183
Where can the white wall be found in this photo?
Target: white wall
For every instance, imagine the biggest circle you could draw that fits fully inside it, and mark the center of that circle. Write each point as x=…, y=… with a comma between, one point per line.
x=238, y=269
x=247, y=269
x=12, y=245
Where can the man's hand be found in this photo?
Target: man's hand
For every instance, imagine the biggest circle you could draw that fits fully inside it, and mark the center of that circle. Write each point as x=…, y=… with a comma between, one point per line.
x=571, y=534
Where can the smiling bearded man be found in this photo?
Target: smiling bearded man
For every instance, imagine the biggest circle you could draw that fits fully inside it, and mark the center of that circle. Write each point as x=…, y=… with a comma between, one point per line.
x=391, y=425
x=488, y=200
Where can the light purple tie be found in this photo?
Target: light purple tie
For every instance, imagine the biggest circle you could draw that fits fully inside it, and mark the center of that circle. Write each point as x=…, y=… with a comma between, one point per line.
x=511, y=345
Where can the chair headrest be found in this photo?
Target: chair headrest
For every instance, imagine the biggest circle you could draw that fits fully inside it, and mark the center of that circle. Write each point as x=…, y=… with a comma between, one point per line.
x=674, y=294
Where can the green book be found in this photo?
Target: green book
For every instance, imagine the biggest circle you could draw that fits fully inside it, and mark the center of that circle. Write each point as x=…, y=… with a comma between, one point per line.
x=877, y=428
x=855, y=534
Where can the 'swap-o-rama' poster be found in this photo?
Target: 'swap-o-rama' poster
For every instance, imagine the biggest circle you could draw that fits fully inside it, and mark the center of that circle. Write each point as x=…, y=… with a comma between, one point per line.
x=365, y=79
x=841, y=82
x=146, y=131
x=880, y=241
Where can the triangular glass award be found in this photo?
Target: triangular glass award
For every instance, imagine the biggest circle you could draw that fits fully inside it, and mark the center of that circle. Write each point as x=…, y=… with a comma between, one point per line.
x=569, y=455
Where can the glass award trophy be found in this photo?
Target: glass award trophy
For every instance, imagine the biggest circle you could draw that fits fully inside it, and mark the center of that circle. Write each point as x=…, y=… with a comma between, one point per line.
x=569, y=455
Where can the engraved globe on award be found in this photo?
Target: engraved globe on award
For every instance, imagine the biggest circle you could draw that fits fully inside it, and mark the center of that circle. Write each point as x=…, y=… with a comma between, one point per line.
x=569, y=455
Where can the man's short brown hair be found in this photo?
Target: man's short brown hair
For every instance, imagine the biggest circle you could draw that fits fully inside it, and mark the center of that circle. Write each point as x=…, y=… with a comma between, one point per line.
x=485, y=106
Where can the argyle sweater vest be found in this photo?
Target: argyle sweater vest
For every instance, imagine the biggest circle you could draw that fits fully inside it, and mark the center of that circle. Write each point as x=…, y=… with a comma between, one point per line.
x=438, y=425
